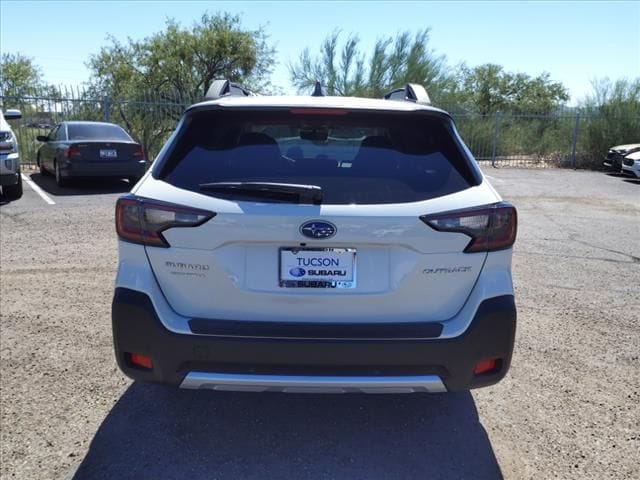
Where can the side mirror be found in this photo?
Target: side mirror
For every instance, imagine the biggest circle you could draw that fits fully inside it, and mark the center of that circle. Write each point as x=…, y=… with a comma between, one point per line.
x=12, y=114
x=42, y=138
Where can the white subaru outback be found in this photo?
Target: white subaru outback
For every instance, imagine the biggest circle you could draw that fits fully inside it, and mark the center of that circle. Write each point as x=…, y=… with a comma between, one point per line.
x=315, y=244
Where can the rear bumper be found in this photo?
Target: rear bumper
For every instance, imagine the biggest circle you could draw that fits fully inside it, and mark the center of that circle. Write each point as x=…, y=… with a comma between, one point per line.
x=96, y=169
x=232, y=362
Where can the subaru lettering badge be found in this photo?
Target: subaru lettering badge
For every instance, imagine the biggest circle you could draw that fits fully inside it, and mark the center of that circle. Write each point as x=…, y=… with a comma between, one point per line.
x=317, y=229
x=297, y=272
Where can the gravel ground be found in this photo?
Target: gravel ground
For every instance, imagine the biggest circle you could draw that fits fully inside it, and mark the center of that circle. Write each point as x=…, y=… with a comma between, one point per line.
x=569, y=407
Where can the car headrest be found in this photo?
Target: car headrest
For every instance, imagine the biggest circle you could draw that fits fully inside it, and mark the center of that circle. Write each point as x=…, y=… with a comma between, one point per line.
x=256, y=138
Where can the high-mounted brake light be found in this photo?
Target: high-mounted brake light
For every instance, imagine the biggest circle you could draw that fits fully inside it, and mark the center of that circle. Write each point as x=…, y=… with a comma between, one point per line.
x=141, y=220
x=492, y=227
x=318, y=111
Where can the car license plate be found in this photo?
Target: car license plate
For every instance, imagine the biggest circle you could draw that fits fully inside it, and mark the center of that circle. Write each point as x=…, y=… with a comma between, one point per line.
x=108, y=154
x=317, y=267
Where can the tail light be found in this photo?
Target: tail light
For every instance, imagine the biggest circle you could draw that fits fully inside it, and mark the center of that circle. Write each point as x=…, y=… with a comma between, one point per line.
x=141, y=220
x=491, y=227
x=73, y=152
x=138, y=152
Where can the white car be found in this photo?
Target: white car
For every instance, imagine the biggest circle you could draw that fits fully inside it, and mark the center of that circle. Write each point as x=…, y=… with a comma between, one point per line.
x=631, y=164
x=315, y=244
x=615, y=155
x=10, y=178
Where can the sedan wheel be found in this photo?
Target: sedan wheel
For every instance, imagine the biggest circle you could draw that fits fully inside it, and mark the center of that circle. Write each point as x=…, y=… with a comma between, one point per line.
x=60, y=181
x=41, y=167
x=13, y=192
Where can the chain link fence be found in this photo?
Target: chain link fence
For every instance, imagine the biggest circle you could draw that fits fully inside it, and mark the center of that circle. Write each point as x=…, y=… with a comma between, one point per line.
x=569, y=138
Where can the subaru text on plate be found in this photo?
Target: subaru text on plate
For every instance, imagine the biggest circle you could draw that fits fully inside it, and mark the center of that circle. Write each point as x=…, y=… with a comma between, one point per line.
x=315, y=244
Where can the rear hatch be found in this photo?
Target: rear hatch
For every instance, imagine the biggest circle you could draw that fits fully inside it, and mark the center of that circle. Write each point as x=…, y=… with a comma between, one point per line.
x=317, y=216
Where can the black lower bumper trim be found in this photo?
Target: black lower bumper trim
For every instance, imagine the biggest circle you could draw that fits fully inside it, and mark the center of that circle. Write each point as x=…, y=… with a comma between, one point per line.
x=346, y=331
x=137, y=329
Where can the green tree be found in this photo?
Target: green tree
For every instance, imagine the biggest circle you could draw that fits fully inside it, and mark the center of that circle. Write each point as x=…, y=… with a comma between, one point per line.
x=176, y=66
x=344, y=69
x=182, y=62
x=488, y=88
x=19, y=76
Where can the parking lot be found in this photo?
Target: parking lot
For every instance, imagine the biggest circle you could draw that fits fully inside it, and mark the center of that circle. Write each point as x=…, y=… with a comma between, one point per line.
x=569, y=408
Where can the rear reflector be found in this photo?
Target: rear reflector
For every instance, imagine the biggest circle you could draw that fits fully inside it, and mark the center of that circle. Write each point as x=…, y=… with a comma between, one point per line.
x=139, y=360
x=485, y=366
x=141, y=220
x=491, y=227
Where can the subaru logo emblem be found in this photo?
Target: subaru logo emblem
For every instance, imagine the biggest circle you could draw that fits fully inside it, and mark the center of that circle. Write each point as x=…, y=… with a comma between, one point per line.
x=317, y=229
x=297, y=272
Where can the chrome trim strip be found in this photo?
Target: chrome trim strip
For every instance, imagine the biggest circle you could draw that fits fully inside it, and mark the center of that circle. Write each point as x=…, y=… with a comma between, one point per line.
x=312, y=383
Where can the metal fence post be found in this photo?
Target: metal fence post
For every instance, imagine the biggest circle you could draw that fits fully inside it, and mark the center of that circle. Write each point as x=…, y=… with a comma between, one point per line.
x=574, y=141
x=105, y=108
x=495, y=140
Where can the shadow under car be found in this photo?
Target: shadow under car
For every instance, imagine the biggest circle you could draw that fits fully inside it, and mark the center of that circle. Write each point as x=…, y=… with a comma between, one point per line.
x=79, y=186
x=160, y=432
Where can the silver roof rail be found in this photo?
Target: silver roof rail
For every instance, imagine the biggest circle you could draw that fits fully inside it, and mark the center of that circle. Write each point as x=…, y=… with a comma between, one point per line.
x=225, y=88
x=412, y=92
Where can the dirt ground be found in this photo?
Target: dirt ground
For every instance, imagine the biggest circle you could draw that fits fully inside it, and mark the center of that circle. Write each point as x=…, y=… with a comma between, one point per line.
x=569, y=407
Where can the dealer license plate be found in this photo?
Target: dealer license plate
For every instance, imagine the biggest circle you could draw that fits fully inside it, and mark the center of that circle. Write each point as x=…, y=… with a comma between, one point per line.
x=318, y=267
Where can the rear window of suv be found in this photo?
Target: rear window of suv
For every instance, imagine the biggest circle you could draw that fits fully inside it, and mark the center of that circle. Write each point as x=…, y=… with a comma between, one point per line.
x=353, y=157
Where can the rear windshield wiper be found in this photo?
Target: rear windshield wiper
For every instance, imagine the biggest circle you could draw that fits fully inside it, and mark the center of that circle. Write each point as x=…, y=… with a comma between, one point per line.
x=286, y=192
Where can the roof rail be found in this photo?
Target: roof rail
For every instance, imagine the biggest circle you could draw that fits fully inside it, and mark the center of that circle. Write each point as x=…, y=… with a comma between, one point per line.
x=225, y=88
x=318, y=91
x=412, y=92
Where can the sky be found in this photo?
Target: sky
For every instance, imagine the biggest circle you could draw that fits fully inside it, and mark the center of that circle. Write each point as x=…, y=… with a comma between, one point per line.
x=576, y=41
